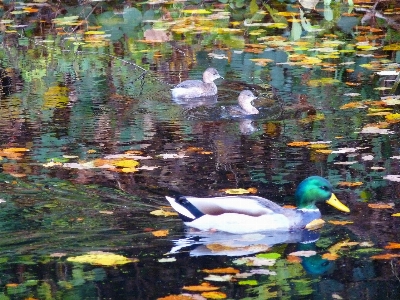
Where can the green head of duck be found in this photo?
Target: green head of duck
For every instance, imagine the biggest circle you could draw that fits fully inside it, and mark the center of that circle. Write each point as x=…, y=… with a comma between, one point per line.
x=316, y=189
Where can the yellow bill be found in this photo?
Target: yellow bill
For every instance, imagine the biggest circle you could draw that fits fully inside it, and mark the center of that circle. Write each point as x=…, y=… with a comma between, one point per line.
x=337, y=204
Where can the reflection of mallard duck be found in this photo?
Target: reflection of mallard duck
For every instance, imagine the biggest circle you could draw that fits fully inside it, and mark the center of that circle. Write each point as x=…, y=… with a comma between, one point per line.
x=221, y=243
x=246, y=214
x=198, y=88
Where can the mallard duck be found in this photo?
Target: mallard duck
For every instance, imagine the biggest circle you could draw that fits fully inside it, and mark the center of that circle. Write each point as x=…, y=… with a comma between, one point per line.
x=197, y=88
x=247, y=214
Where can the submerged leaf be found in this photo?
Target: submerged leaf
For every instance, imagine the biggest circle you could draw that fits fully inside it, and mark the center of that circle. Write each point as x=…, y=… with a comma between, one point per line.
x=214, y=295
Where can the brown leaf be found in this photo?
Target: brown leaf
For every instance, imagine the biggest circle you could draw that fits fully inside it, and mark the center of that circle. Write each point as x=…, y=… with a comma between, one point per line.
x=298, y=144
x=350, y=184
x=176, y=297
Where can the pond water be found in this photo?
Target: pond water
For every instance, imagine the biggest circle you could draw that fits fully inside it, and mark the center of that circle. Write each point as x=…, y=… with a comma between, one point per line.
x=91, y=142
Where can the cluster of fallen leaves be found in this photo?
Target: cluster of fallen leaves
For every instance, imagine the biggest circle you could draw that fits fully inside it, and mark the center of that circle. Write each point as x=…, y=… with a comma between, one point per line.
x=127, y=162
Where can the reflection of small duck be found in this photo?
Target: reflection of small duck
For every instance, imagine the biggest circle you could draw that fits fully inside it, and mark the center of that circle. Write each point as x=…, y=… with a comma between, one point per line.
x=247, y=214
x=245, y=106
x=198, y=88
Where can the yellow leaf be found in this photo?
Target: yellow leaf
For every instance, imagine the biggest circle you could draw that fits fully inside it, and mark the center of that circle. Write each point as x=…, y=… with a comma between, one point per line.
x=396, y=215
x=196, y=11
x=92, y=32
x=322, y=81
x=204, y=287
x=125, y=163
x=353, y=105
x=91, y=151
x=164, y=213
x=236, y=191
x=298, y=144
x=160, y=233
x=315, y=224
x=393, y=118
x=228, y=270
x=101, y=258
x=350, y=184
x=214, y=295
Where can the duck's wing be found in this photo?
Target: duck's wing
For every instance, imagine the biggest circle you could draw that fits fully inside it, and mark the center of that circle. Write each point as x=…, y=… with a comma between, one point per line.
x=190, y=84
x=245, y=205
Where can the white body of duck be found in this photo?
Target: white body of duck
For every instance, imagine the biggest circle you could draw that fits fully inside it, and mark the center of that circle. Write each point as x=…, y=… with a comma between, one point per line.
x=247, y=214
x=198, y=88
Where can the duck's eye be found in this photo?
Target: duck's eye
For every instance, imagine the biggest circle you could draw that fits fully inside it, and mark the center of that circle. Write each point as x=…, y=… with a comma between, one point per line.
x=325, y=188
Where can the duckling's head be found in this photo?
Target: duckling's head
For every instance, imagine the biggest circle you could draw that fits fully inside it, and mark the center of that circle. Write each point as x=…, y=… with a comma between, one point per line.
x=210, y=74
x=245, y=100
x=317, y=189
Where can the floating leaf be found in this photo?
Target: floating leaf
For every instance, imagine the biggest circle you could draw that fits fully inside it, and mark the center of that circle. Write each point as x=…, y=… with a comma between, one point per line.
x=293, y=259
x=315, y=224
x=330, y=256
x=269, y=255
x=228, y=270
x=160, y=233
x=248, y=282
x=163, y=213
x=101, y=258
x=350, y=184
x=176, y=297
x=385, y=256
x=169, y=259
x=298, y=144
x=196, y=11
x=380, y=205
x=214, y=295
x=391, y=245
x=222, y=278
x=255, y=261
x=236, y=191
x=204, y=287
x=305, y=253
x=334, y=222
x=392, y=177
x=396, y=215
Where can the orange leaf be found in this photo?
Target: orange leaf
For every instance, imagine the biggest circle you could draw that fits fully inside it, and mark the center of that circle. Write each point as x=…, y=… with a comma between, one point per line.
x=176, y=297
x=392, y=246
x=334, y=222
x=293, y=259
x=252, y=190
x=385, y=256
x=228, y=270
x=289, y=206
x=330, y=256
x=214, y=295
x=160, y=233
x=380, y=205
x=204, y=287
x=11, y=284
